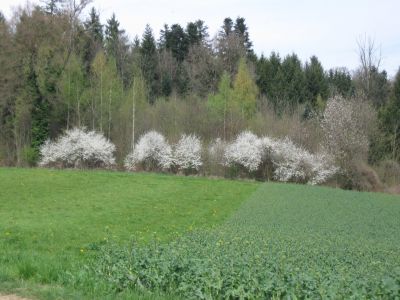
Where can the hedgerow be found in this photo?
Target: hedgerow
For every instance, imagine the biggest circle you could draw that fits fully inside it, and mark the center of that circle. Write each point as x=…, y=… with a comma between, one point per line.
x=187, y=153
x=78, y=148
x=287, y=161
x=152, y=152
x=247, y=155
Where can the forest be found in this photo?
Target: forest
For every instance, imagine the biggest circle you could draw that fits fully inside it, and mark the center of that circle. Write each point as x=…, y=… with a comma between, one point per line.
x=61, y=69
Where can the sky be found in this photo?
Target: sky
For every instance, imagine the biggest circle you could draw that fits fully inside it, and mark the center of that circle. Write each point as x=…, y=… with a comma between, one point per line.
x=326, y=28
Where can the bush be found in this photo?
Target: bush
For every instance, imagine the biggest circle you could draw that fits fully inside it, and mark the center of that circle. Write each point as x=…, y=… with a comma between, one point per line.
x=361, y=177
x=295, y=164
x=30, y=156
x=245, y=152
x=78, y=148
x=278, y=159
x=187, y=153
x=151, y=153
x=389, y=172
x=347, y=126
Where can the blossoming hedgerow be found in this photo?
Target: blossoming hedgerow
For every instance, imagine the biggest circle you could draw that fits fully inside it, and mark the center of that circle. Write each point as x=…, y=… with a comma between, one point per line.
x=78, y=148
x=187, y=153
x=152, y=152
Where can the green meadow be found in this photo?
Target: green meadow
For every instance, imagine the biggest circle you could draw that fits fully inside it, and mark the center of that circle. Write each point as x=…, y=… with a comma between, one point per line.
x=105, y=235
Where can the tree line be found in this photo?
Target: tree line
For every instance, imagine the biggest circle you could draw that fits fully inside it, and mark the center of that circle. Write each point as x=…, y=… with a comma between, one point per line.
x=60, y=70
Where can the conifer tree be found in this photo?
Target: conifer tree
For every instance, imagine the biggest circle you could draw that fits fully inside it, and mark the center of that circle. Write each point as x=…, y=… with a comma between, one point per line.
x=148, y=61
x=241, y=30
x=94, y=27
x=390, y=121
x=292, y=81
x=316, y=81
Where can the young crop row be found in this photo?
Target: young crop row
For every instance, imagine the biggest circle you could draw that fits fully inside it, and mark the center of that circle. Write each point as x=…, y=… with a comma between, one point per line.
x=254, y=255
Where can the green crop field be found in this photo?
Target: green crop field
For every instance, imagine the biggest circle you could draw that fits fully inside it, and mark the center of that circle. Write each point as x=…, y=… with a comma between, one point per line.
x=81, y=234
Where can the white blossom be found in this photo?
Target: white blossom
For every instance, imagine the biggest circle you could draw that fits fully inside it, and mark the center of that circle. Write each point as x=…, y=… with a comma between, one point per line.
x=296, y=164
x=290, y=163
x=78, y=148
x=246, y=151
x=345, y=125
x=187, y=153
x=152, y=151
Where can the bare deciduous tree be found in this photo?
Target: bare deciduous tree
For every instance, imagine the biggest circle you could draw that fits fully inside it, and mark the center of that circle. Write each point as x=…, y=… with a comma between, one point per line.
x=370, y=57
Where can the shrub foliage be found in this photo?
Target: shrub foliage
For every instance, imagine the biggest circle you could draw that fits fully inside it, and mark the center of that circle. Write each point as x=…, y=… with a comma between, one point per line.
x=187, y=153
x=152, y=152
x=278, y=159
x=78, y=148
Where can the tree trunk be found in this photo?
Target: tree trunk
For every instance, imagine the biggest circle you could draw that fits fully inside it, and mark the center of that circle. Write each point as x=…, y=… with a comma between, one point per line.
x=101, y=101
x=109, y=115
x=79, y=111
x=133, y=115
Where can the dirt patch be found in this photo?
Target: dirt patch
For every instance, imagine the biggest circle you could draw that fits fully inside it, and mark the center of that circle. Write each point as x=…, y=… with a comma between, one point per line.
x=12, y=297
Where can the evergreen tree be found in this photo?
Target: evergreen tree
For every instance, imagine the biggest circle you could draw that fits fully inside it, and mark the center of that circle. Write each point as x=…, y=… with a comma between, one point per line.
x=182, y=80
x=379, y=87
x=340, y=82
x=389, y=117
x=196, y=33
x=316, y=81
x=148, y=61
x=8, y=81
x=116, y=46
x=227, y=27
x=230, y=47
x=177, y=42
x=93, y=38
x=112, y=36
x=39, y=117
x=241, y=30
x=269, y=77
x=164, y=37
x=192, y=33
x=292, y=81
x=94, y=27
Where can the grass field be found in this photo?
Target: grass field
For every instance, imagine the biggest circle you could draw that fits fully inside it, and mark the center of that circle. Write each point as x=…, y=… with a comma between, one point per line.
x=66, y=234
x=49, y=220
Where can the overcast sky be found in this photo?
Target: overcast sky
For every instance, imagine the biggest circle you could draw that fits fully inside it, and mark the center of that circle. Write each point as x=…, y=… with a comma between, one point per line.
x=328, y=29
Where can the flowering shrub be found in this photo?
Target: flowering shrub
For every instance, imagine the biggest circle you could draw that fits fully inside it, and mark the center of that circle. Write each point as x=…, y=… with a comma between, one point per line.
x=345, y=125
x=187, y=153
x=152, y=152
x=289, y=162
x=78, y=148
x=295, y=164
x=245, y=151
